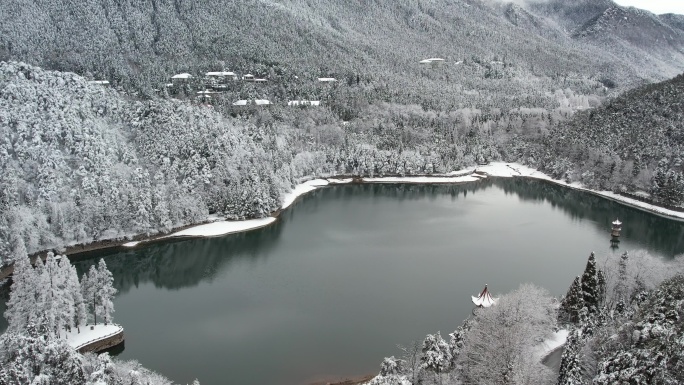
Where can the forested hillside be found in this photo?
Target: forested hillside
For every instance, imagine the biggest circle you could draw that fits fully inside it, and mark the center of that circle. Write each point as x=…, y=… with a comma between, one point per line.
x=84, y=162
x=633, y=142
x=139, y=45
x=81, y=162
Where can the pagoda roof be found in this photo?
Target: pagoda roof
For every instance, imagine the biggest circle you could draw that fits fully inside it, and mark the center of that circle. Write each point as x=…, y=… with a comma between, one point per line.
x=617, y=222
x=484, y=299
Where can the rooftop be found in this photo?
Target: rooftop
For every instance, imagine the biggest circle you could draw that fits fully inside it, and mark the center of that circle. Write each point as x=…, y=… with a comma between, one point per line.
x=484, y=299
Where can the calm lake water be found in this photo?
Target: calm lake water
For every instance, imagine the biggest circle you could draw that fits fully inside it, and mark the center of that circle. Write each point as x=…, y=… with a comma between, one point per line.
x=348, y=272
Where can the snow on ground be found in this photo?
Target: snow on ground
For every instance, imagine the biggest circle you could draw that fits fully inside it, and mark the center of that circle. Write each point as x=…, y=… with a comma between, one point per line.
x=422, y=179
x=87, y=335
x=302, y=189
x=552, y=343
x=222, y=228
x=340, y=181
x=131, y=244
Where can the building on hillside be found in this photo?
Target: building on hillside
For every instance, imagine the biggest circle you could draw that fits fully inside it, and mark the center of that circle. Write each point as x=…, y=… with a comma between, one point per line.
x=99, y=82
x=205, y=96
x=294, y=103
x=218, y=81
x=252, y=102
x=248, y=78
x=260, y=80
x=181, y=78
x=327, y=80
x=434, y=62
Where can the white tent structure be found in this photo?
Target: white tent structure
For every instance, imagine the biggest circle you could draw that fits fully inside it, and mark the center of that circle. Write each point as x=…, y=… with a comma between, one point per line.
x=484, y=299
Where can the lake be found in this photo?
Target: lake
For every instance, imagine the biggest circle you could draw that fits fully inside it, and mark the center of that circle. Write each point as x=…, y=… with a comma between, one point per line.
x=349, y=272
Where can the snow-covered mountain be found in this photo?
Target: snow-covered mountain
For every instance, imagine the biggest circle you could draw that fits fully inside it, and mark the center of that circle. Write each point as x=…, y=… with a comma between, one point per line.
x=141, y=44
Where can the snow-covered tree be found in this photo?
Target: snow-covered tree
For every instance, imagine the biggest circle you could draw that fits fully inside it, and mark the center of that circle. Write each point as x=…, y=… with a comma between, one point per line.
x=436, y=355
x=590, y=285
x=105, y=292
x=89, y=288
x=570, y=372
x=21, y=307
x=501, y=342
x=572, y=303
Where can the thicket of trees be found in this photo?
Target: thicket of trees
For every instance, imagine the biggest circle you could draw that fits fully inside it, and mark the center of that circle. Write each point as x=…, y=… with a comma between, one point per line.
x=633, y=142
x=50, y=299
x=82, y=163
x=47, y=300
x=623, y=320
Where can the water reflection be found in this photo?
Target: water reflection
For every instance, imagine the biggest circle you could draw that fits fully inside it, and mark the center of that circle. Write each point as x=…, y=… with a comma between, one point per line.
x=184, y=263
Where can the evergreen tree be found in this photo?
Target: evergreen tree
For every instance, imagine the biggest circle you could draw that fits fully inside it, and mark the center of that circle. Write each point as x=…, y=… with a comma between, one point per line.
x=79, y=314
x=22, y=300
x=105, y=292
x=590, y=285
x=570, y=372
x=89, y=288
x=436, y=355
x=572, y=303
x=621, y=288
x=601, y=285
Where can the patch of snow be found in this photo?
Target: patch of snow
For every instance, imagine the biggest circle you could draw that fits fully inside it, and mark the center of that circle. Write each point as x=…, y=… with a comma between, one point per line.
x=552, y=343
x=131, y=244
x=222, y=228
x=302, y=189
x=181, y=76
x=422, y=179
x=340, y=181
x=87, y=335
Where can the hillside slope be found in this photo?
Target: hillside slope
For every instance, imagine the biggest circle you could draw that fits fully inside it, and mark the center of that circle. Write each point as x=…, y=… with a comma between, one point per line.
x=140, y=44
x=635, y=141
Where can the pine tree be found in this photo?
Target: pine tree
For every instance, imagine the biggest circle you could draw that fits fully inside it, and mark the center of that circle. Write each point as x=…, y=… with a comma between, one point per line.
x=590, y=285
x=89, y=288
x=621, y=290
x=22, y=299
x=601, y=285
x=79, y=313
x=572, y=303
x=570, y=372
x=106, y=291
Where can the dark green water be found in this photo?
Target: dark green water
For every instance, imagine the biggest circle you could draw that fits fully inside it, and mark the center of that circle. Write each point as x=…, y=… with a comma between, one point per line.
x=349, y=272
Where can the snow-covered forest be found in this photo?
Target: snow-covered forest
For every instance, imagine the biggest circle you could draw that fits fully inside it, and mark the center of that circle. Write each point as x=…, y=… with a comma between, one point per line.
x=47, y=301
x=82, y=162
x=623, y=321
x=564, y=86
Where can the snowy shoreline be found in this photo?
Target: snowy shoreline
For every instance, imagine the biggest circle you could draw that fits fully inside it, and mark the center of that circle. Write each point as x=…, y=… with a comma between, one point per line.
x=220, y=227
x=473, y=174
